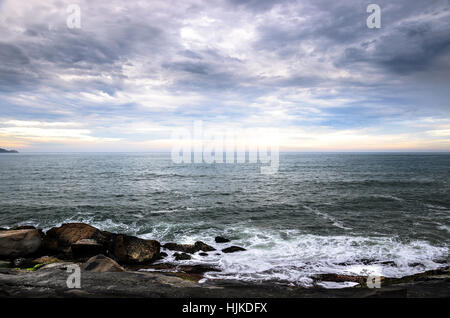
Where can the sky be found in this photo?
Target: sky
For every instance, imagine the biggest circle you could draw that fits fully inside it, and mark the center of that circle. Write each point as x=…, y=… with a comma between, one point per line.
x=135, y=71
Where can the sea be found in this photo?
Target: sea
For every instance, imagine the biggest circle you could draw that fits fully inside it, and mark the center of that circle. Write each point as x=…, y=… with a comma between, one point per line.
x=385, y=214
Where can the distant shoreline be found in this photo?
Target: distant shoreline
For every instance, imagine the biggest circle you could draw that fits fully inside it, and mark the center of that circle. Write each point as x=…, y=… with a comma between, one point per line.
x=8, y=151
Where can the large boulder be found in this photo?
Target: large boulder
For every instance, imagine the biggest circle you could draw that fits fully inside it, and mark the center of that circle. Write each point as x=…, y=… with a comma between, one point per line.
x=100, y=264
x=189, y=248
x=129, y=249
x=61, y=238
x=19, y=242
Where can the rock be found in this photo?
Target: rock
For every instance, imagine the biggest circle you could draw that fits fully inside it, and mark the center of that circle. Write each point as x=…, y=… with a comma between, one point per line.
x=203, y=247
x=233, y=249
x=169, y=267
x=181, y=256
x=101, y=264
x=198, y=269
x=203, y=254
x=340, y=278
x=5, y=264
x=220, y=239
x=45, y=260
x=163, y=254
x=61, y=238
x=87, y=248
x=189, y=248
x=130, y=249
x=19, y=242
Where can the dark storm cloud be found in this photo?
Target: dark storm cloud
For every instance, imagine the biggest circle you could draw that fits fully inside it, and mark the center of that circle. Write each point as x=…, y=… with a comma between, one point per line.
x=409, y=48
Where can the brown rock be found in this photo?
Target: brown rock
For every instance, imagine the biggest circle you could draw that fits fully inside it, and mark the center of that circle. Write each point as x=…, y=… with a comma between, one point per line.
x=101, y=264
x=130, y=249
x=61, y=238
x=45, y=260
x=19, y=242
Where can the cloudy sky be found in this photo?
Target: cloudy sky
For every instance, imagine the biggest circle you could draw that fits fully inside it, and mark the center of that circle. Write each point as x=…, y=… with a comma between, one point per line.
x=137, y=70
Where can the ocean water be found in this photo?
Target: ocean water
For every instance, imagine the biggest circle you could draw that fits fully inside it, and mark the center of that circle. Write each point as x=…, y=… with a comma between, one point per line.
x=354, y=213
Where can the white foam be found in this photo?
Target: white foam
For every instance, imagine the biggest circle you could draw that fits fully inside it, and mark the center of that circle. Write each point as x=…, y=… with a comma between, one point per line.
x=296, y=257
x=327, y=217
x=334, y=285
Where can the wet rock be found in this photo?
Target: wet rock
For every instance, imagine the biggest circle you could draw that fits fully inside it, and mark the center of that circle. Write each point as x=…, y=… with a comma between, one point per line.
x=86, y=248
x=339, y=278
x=220, y=239
x=203, y=254
x=181, y=256
x=163, y=254
x=189, y=248
x=415, y=264
x=388, y=263
x=233, y=249
x=61, y=238
x=203, y=247
x=100, y=264
x=169, y=267
x=23, y=227
x=15, y=243
x=198, y=269
x=130, y=249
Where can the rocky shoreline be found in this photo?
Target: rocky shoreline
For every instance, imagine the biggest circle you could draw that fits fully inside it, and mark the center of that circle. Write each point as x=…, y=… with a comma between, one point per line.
x=34, y=264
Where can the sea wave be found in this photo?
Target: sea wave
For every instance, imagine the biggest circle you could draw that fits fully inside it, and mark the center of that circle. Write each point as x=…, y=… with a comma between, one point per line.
x=295, y=258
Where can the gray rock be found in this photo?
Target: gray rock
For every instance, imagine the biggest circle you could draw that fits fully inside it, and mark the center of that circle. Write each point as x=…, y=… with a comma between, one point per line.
x=101, y=264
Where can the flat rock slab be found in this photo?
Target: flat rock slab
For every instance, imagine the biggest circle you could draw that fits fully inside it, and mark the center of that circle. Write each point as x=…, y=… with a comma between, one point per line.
x=51, y=282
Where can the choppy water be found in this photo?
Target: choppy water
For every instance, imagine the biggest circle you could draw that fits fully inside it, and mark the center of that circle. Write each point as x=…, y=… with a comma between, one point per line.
x=321, y=213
